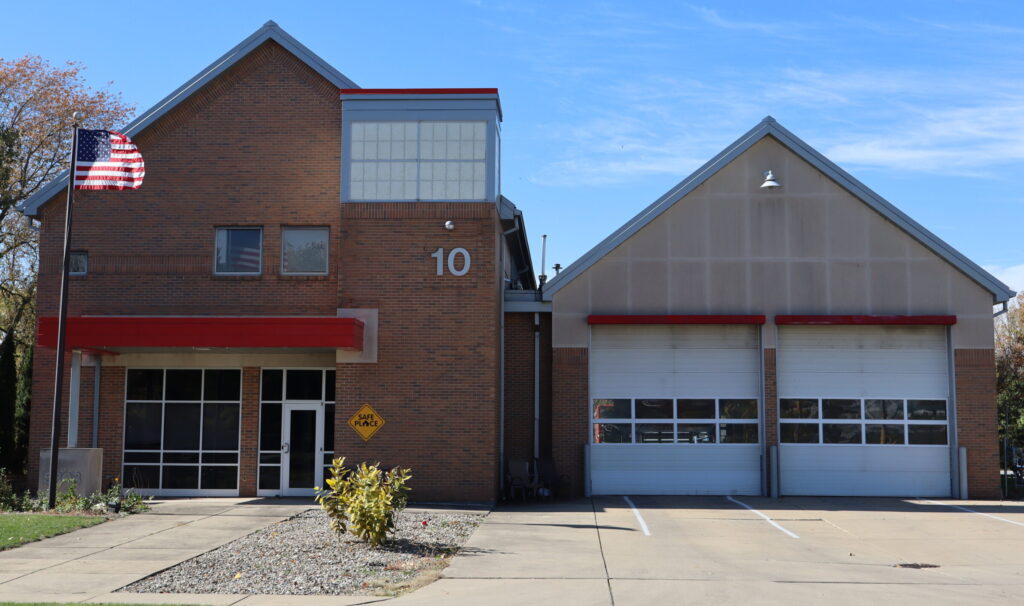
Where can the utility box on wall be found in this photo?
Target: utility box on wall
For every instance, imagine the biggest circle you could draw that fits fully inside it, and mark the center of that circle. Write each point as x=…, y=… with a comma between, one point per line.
x=83, y=465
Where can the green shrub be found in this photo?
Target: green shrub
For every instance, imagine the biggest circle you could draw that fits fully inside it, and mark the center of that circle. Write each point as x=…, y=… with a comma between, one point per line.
x=364, y=501
x=8, y=499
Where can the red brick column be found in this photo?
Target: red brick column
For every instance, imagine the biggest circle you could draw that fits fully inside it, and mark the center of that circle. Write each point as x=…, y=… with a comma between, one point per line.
x=249, y=446
x=977, y=420
x=111, y=438
x=569, y=422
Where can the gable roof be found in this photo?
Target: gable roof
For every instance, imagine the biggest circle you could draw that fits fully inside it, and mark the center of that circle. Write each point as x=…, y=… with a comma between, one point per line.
x=269, y=31
x=770, y=128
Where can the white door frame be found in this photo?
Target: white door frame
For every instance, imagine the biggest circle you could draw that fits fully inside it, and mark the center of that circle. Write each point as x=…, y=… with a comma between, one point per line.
x=287, y=408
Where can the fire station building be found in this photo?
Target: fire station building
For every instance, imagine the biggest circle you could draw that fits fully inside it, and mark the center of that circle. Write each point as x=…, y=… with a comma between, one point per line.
x=313, y=269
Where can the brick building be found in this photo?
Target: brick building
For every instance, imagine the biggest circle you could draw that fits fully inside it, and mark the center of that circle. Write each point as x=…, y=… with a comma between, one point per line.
x=226, y=320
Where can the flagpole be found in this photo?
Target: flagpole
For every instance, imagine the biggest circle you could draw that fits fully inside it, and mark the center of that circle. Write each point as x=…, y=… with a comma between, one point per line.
x=58, y=388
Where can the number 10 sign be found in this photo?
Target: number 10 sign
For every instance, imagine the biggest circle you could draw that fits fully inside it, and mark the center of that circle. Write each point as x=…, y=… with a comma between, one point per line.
x=454, y=262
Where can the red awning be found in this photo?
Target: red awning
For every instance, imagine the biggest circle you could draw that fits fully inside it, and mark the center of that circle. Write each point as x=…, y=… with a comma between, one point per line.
x=866, y=320
x=691, y=319
x=97, y=332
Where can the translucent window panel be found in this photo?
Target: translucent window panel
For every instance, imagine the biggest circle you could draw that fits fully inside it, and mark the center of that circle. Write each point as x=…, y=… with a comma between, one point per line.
x=696, y=433
x=738, y=409
x=612, y=409
x=273, y=380
x=613, y=433
x=695, y=409
x=654, y=409
x=304, y=250
x=141, y=476
x=181, y=425
x=270, y=457
x=884, y=434
x=184, y=385
x=738, y=433
x=926, y=434
x=883, y=409
x=181, y=477
x=270, y=427
x=799, y=433
x=142, y=426
x=270, y=478
x=840, y=409
x=841, y=433
x=142, y=457
x=220, y=426
x=792, y=408
x=655, y=433
x=223, y=477
x=238, y=250
x=304, y=385
x=145, y=384
x=926, y=410
x=222, y=385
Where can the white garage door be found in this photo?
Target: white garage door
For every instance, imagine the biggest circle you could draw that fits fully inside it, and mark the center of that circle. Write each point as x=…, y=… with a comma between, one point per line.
x=863, y=410
x=675, y=410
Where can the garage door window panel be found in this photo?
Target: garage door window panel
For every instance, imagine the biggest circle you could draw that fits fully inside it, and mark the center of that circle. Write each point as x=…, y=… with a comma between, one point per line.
x=855, y=421
x=613, y=409
x=613, y=433
x=696, y=409
x=738, y=433
x=696, y=433
x=654, y=409
x=655, y=433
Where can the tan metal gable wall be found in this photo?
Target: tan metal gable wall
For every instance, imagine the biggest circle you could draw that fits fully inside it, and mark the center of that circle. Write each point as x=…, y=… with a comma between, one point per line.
x=809, y=247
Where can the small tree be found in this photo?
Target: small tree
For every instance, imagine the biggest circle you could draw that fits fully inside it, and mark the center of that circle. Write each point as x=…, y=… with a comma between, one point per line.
x=364, y=501
x=1010, y=372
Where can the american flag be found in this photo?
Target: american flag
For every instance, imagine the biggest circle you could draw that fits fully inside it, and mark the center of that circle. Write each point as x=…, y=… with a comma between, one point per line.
x=107, y=160
x=246, y=259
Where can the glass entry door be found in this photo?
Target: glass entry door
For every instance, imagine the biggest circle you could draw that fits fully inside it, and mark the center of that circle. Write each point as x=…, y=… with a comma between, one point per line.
x=302, y=448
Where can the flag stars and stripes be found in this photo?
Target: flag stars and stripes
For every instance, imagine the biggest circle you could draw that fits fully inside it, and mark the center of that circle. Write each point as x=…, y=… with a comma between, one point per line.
x=107, y=160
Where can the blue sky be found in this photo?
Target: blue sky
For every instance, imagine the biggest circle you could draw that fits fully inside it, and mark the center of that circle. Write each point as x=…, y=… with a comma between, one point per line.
x=609, y=104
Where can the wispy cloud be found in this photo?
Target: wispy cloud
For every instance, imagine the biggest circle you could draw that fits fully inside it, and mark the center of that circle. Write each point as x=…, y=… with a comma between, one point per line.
x=790, y=31
x=1011, y=275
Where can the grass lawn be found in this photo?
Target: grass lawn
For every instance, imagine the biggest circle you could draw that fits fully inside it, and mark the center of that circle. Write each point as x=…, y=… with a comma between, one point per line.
x=20, y=528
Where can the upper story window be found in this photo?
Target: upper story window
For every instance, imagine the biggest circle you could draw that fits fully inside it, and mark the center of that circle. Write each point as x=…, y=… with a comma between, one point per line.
x=304, y=250
x=78, y=264
x=428, y=145
x=423, y=160
x=238, y=251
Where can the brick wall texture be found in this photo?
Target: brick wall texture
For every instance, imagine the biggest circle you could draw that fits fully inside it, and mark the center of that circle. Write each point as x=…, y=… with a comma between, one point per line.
x=977, y=420
x=569, y=410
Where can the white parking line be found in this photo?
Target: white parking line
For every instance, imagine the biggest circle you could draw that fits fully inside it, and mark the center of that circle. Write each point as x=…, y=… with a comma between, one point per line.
x=987, y=515
x=639, y=518
x=766, y=518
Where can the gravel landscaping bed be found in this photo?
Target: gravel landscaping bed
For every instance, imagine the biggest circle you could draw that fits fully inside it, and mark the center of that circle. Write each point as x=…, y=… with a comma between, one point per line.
x=302, y=556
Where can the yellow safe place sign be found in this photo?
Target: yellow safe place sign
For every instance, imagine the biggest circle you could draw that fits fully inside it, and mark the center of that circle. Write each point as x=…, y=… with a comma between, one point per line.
x=366, y=422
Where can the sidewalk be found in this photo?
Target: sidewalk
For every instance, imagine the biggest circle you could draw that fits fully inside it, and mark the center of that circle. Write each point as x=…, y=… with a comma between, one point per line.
x=537, y=554
x=92, y=562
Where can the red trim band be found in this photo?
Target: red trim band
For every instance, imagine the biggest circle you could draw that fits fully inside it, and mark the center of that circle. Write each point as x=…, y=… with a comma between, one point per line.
x=691, y=319
x=135, y=331
x=866, y=320
x=418, y=91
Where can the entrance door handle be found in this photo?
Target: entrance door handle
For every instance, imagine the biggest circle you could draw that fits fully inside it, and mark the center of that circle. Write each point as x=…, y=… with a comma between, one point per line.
x=284, y=448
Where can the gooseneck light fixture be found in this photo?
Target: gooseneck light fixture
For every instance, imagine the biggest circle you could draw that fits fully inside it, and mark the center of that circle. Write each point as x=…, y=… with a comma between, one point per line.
x=769, y=180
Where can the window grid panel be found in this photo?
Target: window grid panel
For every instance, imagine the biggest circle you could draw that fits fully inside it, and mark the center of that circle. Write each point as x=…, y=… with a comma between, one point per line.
x=425, y=160
x=881, y=413
x=619, y=420
x=162, y=452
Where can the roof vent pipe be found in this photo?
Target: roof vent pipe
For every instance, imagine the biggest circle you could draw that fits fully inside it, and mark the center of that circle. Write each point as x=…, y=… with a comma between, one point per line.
x=543, y=260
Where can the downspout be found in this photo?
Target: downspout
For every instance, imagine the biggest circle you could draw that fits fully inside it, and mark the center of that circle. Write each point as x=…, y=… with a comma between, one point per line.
x=501, y=357
x=97, y=360
x=536, y=385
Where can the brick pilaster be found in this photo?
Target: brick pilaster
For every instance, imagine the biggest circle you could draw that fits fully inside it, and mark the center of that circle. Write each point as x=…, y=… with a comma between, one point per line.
x=569, y=412
x=977, y=420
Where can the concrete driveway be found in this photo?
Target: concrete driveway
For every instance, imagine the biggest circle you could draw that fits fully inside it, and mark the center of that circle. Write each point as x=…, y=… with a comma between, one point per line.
x=721, y=551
